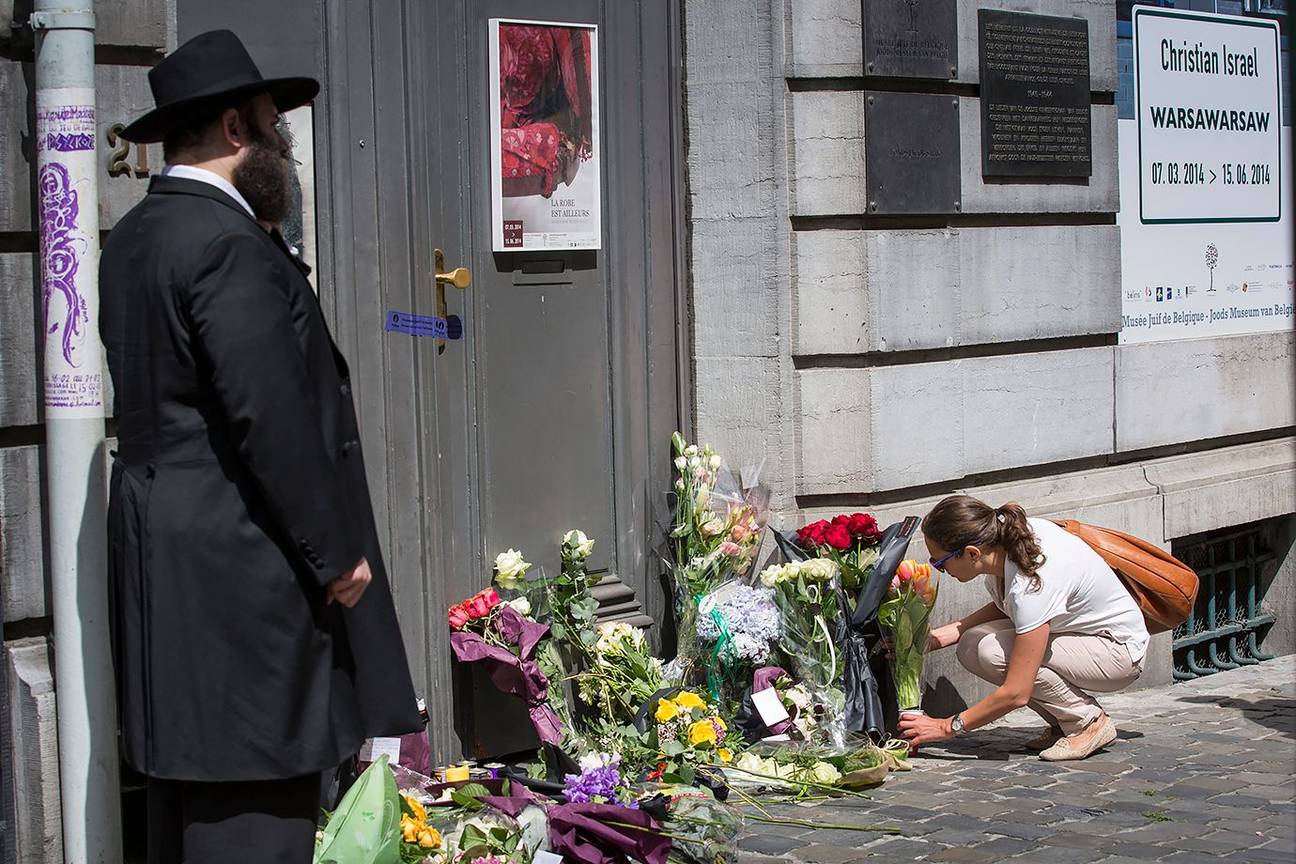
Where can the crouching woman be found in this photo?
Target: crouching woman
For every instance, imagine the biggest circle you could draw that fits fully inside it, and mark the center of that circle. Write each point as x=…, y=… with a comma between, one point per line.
x=1060, y=626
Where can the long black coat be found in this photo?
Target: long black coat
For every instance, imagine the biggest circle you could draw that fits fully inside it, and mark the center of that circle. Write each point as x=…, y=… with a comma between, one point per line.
x=238, y=492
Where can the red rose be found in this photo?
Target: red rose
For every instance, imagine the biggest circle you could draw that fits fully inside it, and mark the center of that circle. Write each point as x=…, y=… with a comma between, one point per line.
x=458, y=616
x=812, y=535
x=864, y=526
x=838, y=537
x=841, y=519
x=481, y=603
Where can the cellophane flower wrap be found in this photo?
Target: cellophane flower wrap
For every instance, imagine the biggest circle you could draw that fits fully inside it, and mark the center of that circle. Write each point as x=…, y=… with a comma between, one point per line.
x=715, y=532
x=850, y=541
x=906, y=619
x=806, y=595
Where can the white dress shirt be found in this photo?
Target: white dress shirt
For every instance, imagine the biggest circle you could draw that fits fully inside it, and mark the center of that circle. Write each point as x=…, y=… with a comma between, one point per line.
x=202, y=175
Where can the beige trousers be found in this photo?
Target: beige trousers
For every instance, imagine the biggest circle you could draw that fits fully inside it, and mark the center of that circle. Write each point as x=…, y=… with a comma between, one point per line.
x=1072, y=664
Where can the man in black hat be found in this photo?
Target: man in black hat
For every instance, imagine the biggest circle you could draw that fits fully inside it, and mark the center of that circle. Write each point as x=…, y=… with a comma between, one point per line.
x=255, y=637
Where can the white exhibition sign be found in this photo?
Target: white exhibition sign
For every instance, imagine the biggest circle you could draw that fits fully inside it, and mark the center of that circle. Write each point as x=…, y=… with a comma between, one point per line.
x=1206, y=241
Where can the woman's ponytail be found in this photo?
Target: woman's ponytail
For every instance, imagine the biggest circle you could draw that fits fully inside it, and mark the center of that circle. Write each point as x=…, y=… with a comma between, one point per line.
x=1019, y=542
x=961, y=520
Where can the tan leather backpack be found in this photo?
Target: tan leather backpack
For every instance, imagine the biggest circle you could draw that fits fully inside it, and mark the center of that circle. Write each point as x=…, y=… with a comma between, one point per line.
x=1164, y=587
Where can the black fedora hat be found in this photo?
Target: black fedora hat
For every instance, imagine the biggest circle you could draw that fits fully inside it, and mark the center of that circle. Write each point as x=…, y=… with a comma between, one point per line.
x=211, y=71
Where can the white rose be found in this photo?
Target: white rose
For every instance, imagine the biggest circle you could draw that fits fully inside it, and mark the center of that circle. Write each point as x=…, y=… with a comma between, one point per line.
x=681, y=463
x=715, y=462
x=510, y=568
x=769, y=577
x=825, y=774
x=691, y=451
x=521, y=605
x=591, y=761
x=793, y=569
x=580, y=545
x=695, y=463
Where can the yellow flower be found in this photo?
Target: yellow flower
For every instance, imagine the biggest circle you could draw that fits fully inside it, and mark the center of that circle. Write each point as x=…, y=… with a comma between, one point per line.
x=430, y=838
x=702, y=732
x=725, y=754
x=666, y=711
x=420, y=814
x=689, y=700
x=409, y=829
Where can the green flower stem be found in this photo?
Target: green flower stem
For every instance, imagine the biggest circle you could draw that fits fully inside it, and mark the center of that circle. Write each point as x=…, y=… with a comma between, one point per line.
x=836, y=790
x=804, y=823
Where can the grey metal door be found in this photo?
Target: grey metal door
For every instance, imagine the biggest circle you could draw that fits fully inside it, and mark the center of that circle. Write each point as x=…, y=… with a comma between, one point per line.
x=555, y=409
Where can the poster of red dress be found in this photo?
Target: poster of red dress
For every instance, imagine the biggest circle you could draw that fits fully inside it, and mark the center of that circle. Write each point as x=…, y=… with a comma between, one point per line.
x=545, y=169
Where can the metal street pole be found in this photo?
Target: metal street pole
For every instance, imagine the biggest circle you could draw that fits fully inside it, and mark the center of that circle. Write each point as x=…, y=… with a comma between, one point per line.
x=68, y=210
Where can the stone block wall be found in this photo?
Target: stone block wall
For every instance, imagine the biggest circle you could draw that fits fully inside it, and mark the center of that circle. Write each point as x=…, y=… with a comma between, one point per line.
x=881, y=363
x=130, y=36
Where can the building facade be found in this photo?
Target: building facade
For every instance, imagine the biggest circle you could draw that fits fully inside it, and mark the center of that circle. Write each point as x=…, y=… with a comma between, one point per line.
x=752, y=286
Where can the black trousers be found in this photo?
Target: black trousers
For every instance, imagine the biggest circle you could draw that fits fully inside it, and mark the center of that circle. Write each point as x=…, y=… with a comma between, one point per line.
x=246, y=822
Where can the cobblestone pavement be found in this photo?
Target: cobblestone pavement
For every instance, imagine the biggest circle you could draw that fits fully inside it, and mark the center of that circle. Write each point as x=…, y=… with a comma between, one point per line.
x=1202, y=771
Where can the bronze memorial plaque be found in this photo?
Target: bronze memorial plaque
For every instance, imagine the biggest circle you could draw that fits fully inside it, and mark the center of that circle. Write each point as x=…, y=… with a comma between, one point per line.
x=1034, y=95
x=911, y=38
x=911, y=153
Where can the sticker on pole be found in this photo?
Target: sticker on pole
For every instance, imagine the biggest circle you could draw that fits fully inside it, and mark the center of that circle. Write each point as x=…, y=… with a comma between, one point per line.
x=1209, y=117
x=69, y=244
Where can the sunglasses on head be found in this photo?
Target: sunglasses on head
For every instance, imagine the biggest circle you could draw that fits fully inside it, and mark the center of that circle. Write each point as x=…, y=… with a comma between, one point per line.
x=939, y=563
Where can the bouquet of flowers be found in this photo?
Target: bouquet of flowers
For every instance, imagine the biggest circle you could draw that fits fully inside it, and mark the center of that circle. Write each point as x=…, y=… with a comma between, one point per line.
x=622, y=675
x=807, y=602
x=569, y=599
x=600, y=781
x=783, y=770
x=850, y=541
x=703, y=829
x=739, y=625
x=486, y=630
x=686, y=731
x=804, y=711
x=806, y=595
x=715, y=532
x=905, y=618
x=419, y=838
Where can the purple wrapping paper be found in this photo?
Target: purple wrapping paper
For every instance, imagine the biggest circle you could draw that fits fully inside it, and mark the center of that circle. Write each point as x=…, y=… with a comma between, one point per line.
x=512, y=805
x=578, y=833
x=764, y=678
x=517, y=675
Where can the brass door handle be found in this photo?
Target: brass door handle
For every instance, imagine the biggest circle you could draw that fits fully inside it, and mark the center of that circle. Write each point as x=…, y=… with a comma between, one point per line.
x=460, y=277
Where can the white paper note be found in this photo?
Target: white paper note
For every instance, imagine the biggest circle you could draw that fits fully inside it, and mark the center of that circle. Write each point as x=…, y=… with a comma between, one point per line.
x=769, y=707
x=375, y=747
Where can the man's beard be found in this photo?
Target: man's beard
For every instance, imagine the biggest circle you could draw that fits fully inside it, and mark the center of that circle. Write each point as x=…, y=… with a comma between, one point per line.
x=264, y=179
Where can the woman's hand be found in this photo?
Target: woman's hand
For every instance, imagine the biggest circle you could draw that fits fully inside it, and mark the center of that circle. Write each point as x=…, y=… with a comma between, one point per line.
x=920, y=729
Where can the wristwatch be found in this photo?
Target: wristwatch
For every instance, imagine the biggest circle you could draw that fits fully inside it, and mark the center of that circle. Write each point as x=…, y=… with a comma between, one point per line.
x=956, y=725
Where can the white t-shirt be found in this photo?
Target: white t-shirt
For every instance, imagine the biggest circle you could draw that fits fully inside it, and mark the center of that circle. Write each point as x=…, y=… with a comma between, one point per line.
x=1078, y=593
